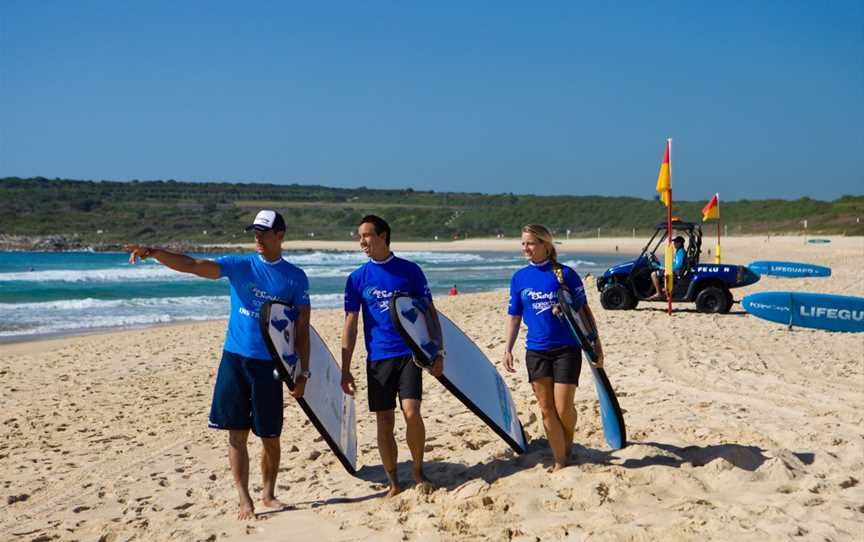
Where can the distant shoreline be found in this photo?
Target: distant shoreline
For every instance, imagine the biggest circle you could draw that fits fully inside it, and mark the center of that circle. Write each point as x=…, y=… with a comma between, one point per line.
x=10, y=341
x=601, y=245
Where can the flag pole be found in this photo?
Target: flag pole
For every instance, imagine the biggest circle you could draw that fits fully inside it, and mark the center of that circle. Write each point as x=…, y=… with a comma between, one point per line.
x=669, y=278
x=717, y=256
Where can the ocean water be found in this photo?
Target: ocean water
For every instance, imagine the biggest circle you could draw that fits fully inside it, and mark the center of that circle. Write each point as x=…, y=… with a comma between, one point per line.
x=64, y=293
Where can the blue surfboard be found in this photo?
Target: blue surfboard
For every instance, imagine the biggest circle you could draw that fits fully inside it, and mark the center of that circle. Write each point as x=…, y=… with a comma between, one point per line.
x=614, y=430
x=819, y=241
x=818, y=311
x=789, y=269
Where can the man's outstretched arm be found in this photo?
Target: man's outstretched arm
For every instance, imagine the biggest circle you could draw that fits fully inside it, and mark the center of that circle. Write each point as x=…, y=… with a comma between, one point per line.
x=207, y=269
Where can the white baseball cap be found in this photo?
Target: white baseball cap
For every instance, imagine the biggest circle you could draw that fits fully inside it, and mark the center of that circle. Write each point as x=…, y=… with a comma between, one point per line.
x=267, y=220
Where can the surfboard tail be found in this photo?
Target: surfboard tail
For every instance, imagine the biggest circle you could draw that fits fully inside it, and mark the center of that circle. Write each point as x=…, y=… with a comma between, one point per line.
x=614, y=430
x=465, y=400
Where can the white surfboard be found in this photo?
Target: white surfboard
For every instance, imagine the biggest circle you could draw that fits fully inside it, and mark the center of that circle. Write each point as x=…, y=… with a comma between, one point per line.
x=329, y=409
x=468, y=373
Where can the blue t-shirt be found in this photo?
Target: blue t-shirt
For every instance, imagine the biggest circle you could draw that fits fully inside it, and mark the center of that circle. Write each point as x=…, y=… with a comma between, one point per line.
x=533, y=294
x=371, y=286
x=254, y=282
x=678, y=261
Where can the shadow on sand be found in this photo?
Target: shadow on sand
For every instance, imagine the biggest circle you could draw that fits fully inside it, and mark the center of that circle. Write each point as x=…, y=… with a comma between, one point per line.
x=678, y=308
x=744, y=457
x=449, y=476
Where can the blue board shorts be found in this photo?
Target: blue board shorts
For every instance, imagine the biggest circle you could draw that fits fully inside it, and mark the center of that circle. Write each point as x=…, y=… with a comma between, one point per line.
x=246, y=396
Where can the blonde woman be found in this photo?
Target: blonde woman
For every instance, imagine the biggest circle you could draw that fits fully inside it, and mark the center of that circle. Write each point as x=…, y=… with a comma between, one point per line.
x=553, y=356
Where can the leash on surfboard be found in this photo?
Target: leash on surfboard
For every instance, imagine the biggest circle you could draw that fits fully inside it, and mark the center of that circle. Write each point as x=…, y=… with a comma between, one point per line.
x=586, y=337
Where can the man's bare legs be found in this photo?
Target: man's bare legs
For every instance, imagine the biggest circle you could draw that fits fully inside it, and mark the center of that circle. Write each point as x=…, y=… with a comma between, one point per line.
x=386, y=421
x=238, y=458
x=416, y=436
x=269, y=470
x=658, y=289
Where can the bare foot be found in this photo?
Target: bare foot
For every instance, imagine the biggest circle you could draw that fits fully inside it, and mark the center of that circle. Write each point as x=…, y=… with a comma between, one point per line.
x=273, y=502
x=394, y=490
x=424, y=485
x=556, y=467
x=246, y=510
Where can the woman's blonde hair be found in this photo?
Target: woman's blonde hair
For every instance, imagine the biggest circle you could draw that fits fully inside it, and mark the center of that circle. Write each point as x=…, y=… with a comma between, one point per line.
x=544, y=236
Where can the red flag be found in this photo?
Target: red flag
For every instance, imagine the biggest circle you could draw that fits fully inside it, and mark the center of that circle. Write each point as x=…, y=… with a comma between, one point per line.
x=712, y=209
x=664, y=178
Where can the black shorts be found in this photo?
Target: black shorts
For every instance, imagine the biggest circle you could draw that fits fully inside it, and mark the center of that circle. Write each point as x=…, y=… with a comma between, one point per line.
x=387, y=377
x=562, y=364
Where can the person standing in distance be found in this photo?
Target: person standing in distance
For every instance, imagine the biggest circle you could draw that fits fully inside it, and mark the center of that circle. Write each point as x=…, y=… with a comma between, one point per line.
x=553, y=355
x=390, y=369
x=246, y=396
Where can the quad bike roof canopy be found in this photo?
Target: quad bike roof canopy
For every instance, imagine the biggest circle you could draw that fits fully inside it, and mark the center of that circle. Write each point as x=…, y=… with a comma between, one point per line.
x=689, y=227
x=693, y=231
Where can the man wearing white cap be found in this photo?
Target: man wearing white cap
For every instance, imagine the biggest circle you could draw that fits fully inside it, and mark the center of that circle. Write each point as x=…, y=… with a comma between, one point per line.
x=246, y=396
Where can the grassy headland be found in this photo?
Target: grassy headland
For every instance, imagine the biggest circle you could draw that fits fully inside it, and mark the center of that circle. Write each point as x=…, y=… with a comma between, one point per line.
x=106, y=212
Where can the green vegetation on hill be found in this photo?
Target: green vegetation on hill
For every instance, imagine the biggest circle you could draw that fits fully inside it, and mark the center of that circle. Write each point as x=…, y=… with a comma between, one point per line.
x=163, y=211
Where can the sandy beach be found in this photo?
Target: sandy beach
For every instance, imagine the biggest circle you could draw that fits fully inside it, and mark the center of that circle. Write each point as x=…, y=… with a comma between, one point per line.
x=739, y=429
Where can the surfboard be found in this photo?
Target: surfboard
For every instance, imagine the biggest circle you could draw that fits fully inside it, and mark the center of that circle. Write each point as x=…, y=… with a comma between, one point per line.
x=468, y=373
x=818, y=311
x=614, y=430
x=329, y=409
x=789, y=269
x=819, y=241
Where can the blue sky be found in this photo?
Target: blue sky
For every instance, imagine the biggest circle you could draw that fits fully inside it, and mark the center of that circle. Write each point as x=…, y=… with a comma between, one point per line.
x=762, y=98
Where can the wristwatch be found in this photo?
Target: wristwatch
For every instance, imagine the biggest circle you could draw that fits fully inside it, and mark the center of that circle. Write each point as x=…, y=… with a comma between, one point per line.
x=305, y=373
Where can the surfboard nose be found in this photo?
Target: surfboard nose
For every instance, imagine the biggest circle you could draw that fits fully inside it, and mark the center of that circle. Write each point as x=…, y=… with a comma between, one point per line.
x=746, y=276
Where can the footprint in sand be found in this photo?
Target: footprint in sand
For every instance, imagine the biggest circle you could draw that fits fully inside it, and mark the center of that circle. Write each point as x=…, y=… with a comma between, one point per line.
x=851, y=482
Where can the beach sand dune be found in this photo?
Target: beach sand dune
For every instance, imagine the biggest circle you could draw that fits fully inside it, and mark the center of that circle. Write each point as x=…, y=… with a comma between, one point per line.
x=739, y=429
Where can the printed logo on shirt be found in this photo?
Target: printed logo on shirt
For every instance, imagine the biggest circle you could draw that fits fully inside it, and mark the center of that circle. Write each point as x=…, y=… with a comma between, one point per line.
x=377, y=299
x=539, y=301
x=259, y=297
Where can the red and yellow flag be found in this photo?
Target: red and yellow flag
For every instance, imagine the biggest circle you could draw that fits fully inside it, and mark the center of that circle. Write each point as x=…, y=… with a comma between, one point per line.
x=712, y=209
x=664, y=179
